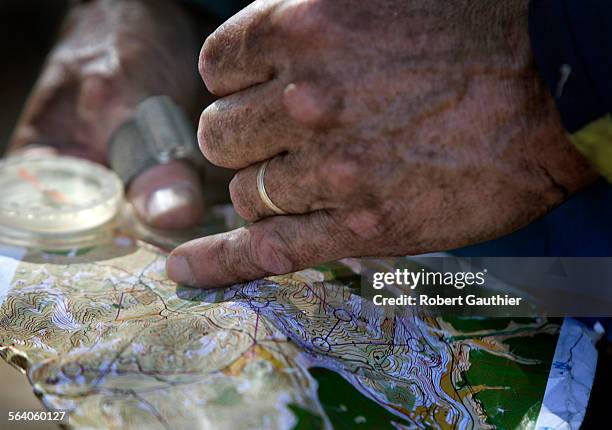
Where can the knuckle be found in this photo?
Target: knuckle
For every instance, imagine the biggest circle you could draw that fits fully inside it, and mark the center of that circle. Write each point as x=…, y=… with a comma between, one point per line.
x=202, y=61
x=366, y=224
x=274, y=252
x=226, y=258
x=217, y=57
x=220, y=136
x=210, y=137
x=223, y=52
x=345, y=175
x=235, y=259
x=300, y=19
x=241, y=201
x=208, y=63
x=315, y=105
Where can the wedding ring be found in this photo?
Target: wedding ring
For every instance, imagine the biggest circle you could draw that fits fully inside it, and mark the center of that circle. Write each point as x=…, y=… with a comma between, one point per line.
x=261, y=187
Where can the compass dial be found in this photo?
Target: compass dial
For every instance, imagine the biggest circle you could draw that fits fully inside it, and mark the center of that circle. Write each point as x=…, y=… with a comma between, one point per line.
x=56, y=195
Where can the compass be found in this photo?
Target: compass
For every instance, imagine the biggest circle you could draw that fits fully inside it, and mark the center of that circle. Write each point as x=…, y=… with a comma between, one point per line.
x=55, y=200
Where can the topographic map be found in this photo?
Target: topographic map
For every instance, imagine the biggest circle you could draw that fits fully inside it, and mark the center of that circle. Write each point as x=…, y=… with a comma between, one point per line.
x=102, y=333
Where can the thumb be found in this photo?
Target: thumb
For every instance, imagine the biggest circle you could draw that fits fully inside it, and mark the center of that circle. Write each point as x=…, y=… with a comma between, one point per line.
x=168, y=196
x=272, y=246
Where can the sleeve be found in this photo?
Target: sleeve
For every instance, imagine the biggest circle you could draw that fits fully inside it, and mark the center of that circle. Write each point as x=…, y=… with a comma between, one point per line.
x=572, y=44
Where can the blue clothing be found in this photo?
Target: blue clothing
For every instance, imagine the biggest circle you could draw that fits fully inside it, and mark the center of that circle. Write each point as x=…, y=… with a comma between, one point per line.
x=572, y=45
x=580, y=227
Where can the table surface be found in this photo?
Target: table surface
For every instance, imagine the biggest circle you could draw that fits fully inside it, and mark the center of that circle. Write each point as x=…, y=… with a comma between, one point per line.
x=16, y=395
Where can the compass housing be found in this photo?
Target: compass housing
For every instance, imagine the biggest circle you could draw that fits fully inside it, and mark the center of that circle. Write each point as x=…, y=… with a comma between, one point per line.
x=56, y=200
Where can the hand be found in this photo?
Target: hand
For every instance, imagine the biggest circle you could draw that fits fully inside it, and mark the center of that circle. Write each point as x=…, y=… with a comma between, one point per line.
x=392, y=128
x=110, y=56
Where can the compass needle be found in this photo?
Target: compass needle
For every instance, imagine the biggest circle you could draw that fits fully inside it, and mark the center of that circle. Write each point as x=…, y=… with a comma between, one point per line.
x=54, y=195
x=73, y=196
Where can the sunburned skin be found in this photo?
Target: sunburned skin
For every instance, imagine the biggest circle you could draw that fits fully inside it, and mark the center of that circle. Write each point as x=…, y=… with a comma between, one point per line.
x=392, y=128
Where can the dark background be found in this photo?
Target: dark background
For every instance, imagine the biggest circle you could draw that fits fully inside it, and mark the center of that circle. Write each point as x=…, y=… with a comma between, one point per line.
x=27, y=32
x=28, y=29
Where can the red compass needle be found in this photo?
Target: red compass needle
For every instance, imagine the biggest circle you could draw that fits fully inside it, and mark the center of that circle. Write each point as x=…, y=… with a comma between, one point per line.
x=55, y=195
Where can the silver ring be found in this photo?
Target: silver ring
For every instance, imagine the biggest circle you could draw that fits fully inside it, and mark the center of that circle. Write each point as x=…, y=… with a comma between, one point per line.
x=158, y=132
x=261, y=187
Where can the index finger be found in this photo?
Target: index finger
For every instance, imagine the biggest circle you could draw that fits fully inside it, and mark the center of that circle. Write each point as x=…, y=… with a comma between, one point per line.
x=242, y=52
x=273, y=246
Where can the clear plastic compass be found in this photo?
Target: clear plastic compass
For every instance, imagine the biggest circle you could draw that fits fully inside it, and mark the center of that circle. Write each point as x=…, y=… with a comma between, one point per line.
x=56, y=201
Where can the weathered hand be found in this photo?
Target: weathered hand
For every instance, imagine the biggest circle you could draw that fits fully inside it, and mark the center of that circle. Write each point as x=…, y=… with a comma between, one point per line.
x=110, y=56
x=392, y=128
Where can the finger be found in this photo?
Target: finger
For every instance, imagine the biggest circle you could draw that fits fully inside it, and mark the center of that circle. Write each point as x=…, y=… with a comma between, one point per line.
x=52, y=116
x=241, y=53
x=248, y=127
x=48, y=116
x=290, y=183
x=273, y=246
x=168, y=196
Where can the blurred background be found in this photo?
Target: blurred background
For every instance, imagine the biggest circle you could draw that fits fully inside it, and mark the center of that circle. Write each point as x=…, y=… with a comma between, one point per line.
x=27, y=31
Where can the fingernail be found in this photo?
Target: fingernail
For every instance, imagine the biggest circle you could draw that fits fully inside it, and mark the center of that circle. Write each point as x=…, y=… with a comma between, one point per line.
x=179, y=270
x=164, y=201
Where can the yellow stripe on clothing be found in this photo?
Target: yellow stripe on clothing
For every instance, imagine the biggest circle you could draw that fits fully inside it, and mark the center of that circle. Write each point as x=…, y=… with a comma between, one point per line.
x=594, y=141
